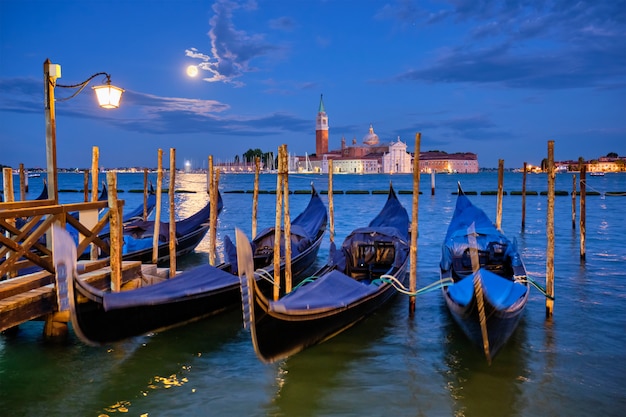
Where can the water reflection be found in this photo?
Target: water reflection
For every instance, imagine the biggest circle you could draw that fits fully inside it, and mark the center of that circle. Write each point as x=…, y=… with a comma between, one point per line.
x=305, y=382
x=478, y=389
x=144, y=372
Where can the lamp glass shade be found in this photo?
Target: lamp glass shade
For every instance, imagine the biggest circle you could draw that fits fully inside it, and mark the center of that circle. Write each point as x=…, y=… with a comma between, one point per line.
x=108, y=96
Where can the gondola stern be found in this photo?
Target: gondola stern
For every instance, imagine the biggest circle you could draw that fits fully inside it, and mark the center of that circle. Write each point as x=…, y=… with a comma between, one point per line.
x=249, y=290
x=65, y=265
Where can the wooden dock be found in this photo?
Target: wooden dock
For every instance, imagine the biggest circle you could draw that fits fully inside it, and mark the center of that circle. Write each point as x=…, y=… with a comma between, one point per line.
x=32, y=296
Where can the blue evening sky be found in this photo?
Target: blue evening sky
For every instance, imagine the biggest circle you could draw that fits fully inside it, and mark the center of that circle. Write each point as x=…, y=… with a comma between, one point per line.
x=496, y=78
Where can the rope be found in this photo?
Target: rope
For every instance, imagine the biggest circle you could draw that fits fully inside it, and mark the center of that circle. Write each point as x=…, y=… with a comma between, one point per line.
x=602, y=193
x=390, y=279
x=394, y=282
x=535, y=284
x=305, y=281
x=263, y=274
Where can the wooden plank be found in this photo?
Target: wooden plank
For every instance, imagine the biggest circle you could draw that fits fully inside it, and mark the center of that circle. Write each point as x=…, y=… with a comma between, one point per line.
x=39, y=302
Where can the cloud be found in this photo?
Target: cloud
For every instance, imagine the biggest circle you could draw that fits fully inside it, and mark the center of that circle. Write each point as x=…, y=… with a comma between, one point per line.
x=441, y=132
x=147, y=113
x=284, y=23
x=534, y=44
x=232, y=50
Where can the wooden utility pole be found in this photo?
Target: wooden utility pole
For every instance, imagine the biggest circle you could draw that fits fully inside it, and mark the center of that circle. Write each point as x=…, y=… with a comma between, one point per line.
x=50, y=75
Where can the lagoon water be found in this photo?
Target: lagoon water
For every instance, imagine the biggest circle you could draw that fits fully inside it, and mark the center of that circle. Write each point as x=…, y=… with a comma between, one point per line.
x=391, y=364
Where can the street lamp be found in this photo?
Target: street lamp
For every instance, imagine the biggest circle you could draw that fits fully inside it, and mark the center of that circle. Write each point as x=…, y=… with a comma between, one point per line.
x=108, y=97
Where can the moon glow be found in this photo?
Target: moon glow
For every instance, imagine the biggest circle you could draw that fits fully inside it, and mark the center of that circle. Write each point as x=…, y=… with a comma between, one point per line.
x=192, y=70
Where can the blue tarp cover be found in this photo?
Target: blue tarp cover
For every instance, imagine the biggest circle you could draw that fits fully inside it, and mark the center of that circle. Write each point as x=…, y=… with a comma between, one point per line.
x=336, y=289
x=333, y=290
x=486, y=233
x=197, y=281
x=502, y=293
x=304, y=229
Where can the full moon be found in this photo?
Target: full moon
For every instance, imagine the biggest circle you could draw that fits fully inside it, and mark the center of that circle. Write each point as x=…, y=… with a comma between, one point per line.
x=192, y=70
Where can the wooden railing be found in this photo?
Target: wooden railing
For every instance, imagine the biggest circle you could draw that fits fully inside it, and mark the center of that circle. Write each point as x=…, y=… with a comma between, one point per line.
x=21, y=246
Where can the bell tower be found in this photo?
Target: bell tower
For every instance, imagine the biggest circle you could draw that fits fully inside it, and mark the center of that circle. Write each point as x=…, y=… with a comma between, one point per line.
x=321, y=130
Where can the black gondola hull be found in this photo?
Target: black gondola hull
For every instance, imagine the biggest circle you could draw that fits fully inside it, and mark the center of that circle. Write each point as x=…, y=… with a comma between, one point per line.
x=202, y=292
x=279, y=336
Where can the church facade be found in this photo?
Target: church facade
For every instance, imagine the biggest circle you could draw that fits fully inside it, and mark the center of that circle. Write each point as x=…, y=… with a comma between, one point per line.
x=373, y=157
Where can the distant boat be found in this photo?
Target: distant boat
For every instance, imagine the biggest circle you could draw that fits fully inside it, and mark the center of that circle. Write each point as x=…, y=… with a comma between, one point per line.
x=597, y=174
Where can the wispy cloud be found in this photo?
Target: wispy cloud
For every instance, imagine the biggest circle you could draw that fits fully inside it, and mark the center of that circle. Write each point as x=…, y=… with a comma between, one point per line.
x=149, y=113
x=232, y=50
x=441, y=131
x=533, y=44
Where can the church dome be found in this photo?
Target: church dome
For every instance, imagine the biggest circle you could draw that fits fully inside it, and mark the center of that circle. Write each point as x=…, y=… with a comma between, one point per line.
x=371, y=138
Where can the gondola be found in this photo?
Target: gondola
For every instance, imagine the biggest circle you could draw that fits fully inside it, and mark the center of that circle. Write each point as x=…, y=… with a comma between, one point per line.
x=494, y=282
x=100, y=317
x=138, y=235
x=137, y=212
x=356, y=281
x=307, y=231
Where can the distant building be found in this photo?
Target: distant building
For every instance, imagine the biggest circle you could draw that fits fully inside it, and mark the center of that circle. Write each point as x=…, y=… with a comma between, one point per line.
x=435, y=161
x=602, y=164
x=373, y=157
x=321, y=130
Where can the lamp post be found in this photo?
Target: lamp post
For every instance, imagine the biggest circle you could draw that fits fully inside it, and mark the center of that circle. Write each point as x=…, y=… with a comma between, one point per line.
x=108, y=97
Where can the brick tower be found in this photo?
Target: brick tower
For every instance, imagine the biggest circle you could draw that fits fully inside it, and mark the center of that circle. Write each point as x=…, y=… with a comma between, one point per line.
x=321, y=131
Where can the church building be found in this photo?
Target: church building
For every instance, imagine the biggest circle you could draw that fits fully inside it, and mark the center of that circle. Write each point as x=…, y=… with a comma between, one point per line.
x=372, y=157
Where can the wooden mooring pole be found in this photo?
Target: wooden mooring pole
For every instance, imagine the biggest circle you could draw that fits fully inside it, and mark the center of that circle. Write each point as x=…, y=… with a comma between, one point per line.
x=7, y=185
x=213, y=201
x=478, y=290
x=432, y=182
x=95, y=159
x=287, y=221
x=524, y=196
x=414, y=220
x=145, y=194
x=23, y=183
x=331, y=204
x=279, y=213
x=210, y=176
x=583, y=211
x=157, y=209
x=115, y=222
x=172, y=225
x=500, y=194
x=574, y=202
x=255, y=195
x=86, y=185
x=550, y=232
